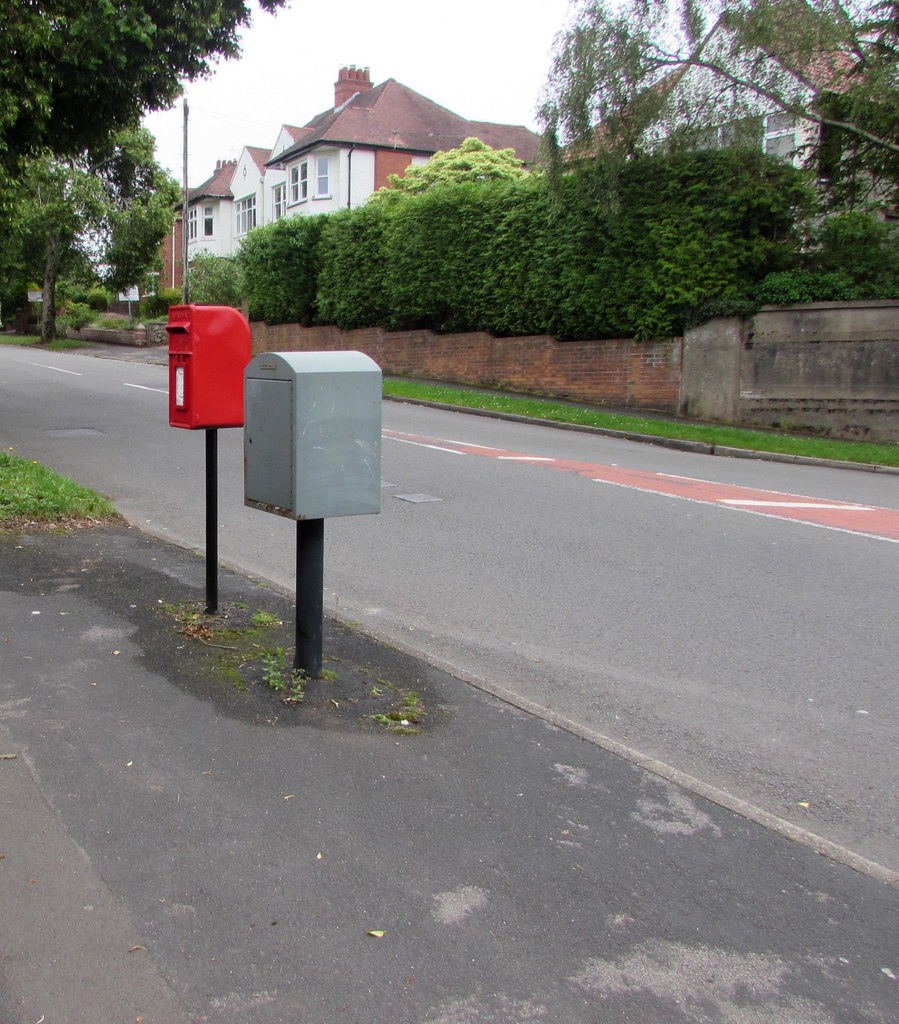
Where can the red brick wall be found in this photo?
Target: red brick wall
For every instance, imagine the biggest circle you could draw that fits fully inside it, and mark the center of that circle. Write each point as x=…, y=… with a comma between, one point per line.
x=390, y=161
x=619, y=372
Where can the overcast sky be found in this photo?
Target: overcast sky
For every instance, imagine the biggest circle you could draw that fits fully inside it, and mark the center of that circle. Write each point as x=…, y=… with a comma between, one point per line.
x=486, y=60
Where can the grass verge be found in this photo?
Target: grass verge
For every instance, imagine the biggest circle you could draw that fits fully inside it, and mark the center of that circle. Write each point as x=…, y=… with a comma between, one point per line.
x=32, y=495
x=712, y=434
x=34, y=341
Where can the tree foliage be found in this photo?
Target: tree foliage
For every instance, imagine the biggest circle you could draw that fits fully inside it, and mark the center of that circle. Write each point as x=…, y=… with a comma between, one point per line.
x=73, y=72
x=216, y=280
x=102, y=215
x=631, y=76
x=472, y=161
x=640, y=249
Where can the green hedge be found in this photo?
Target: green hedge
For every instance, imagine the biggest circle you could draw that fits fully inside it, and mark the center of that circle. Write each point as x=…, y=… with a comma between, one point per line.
x=641, y=250
x=351, y=283
x=281, y=266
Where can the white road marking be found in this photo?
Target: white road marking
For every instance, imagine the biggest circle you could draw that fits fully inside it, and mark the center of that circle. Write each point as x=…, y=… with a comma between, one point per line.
x=420, y=444
x=524, y=458
x=692, y=479
x=793, y=504
x=468, y=444
x=142, y=387
x=45, y=366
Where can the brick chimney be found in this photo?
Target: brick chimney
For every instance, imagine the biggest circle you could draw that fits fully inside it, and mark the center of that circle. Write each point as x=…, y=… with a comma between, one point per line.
x=350, y=81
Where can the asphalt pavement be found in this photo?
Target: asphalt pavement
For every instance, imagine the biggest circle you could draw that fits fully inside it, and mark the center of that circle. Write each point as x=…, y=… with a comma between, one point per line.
x=177, y=844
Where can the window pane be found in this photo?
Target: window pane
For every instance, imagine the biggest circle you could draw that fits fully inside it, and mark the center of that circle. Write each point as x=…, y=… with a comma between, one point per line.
x=322, y=176
x=246, y=215
x=779, y=122
x=782, y=146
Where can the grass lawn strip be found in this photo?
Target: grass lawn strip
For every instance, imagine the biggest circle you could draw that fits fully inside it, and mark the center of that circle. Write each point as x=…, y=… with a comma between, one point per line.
x=803, y=445
x=34, y=497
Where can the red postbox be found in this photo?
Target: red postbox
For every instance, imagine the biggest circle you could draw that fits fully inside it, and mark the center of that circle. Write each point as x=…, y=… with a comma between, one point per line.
x=209, y=348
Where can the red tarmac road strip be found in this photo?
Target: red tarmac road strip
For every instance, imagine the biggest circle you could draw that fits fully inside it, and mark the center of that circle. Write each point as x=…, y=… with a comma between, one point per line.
x=866, y=520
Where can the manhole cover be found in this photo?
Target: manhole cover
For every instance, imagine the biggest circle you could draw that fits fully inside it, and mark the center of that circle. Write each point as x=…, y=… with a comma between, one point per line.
x=417, y=498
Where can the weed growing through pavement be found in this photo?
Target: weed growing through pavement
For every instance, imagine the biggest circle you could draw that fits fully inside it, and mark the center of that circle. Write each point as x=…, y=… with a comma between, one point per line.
x=405, y=718
x=289, y=683
x=251, y=648
x=262, y=618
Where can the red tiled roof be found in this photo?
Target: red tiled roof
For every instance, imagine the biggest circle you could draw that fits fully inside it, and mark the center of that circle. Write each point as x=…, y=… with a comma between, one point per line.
x=259, y=156
x=219, y=185
x=392, y=116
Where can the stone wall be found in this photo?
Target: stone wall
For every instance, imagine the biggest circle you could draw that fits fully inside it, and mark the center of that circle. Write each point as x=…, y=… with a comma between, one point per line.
x=823, y=366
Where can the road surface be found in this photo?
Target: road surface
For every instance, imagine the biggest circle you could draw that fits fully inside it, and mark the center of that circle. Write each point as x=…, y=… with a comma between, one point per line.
x=745, y=636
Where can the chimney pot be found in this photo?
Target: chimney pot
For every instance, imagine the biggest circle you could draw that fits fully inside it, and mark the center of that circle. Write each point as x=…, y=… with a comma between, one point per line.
x=350, y=80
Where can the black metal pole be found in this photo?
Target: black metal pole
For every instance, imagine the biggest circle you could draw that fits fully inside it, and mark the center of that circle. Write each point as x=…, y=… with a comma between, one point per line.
x=212, y=515
x=310, y=582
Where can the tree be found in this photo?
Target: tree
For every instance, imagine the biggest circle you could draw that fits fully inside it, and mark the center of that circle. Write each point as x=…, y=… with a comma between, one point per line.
x=72, y=72
x=109, y=211
x=139, y=199
x=632, y=76
x=473, y=161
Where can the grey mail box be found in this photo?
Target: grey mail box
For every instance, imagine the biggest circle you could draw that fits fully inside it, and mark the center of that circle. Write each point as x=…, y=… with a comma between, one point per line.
x=312, y=434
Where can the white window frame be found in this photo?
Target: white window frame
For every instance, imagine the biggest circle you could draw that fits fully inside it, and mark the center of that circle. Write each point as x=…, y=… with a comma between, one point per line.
x=299, y=182
x=279, y=200
x=777, y=128
x=245, y=215
x=209, y=221
x=322, y=193
x=192, y=222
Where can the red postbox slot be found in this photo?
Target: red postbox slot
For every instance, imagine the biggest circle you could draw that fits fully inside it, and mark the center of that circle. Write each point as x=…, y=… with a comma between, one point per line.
x=209, y=348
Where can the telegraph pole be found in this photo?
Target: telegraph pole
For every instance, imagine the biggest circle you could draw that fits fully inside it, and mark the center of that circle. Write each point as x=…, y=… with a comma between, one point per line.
x=184, y=213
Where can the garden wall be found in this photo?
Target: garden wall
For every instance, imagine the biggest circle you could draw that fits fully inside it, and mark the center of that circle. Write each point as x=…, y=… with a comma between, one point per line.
x=830, y=366
x=642, y=375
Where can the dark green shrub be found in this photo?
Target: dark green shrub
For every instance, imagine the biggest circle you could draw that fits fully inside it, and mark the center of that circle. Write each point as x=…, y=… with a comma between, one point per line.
x=635, y=249
x=352, y=280
x=850, y=256
x=862, y=248
x=437, y=258
x=155, y=306
x=803, y=285
x=98, y=299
